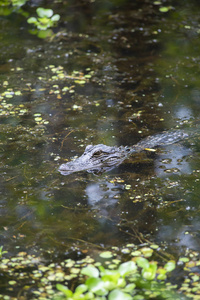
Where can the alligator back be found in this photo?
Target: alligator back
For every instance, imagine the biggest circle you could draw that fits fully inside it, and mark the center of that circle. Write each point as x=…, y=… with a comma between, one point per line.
x=161, y=139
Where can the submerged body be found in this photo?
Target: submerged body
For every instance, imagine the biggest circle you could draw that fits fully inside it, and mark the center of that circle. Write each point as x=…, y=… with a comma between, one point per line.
x=101, y=158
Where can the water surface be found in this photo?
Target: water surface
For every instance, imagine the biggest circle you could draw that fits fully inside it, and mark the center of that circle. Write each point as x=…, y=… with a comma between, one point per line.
x=142, y=77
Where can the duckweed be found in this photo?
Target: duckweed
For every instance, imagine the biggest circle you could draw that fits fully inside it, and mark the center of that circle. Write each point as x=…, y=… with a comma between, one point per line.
x=139, y=277
x=106, y=254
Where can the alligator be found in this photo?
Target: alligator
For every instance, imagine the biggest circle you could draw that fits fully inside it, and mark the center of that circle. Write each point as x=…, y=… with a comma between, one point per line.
x=101, y=158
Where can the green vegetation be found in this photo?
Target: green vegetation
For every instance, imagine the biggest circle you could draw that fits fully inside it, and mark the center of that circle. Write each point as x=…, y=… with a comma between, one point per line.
x=144, y=275
x=8, y=7
x=17, y=3
x=43, y=22
x=45, y=17
x=138, y=279
x=2, y=252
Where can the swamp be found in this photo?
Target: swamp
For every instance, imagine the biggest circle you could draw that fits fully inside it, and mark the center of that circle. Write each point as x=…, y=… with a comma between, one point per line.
x=86, y=72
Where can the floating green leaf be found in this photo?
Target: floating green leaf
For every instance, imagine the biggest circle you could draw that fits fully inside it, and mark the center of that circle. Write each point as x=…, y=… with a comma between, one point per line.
x=90, y=271
x=119, y=295
x=82, y=288
x=127, y=268
x=32, y=20
x=64, y=290
x=97, y=286
x=44, y=12
x=150, y=272
x=129, y=288
x=147, y=252
x=106, y=254
x=170, y=266
x=142, y=262
x=161, y=274
x=55, y=18
x=164, y=9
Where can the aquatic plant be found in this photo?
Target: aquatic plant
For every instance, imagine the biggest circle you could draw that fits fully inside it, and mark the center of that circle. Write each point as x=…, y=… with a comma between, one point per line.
x=17, y=3
x=135, y=279
x=45, y=20
x=105, y=277
x=8, y=7
x=45, y=17
x=2, y=252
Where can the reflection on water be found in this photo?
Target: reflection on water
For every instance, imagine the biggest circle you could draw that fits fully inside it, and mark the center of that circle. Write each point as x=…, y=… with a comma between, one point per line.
x=182, y=236
x=173, y=159
x=103, y=191
x=182, y=112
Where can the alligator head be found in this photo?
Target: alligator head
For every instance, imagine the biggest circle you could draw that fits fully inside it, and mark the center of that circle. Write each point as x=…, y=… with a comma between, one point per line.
x=95, y=159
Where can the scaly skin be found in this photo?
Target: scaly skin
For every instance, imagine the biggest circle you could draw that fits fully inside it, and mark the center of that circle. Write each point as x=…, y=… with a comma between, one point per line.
x=101, y=158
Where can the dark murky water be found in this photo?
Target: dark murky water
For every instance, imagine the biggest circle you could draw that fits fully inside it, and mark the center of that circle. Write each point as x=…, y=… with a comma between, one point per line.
x=142, y=77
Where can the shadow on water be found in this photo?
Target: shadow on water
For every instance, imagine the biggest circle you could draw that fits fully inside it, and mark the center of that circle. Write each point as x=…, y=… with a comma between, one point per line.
x=112, y=74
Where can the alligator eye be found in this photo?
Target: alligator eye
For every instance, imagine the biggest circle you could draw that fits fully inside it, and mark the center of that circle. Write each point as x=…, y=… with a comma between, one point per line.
x=97, y=153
